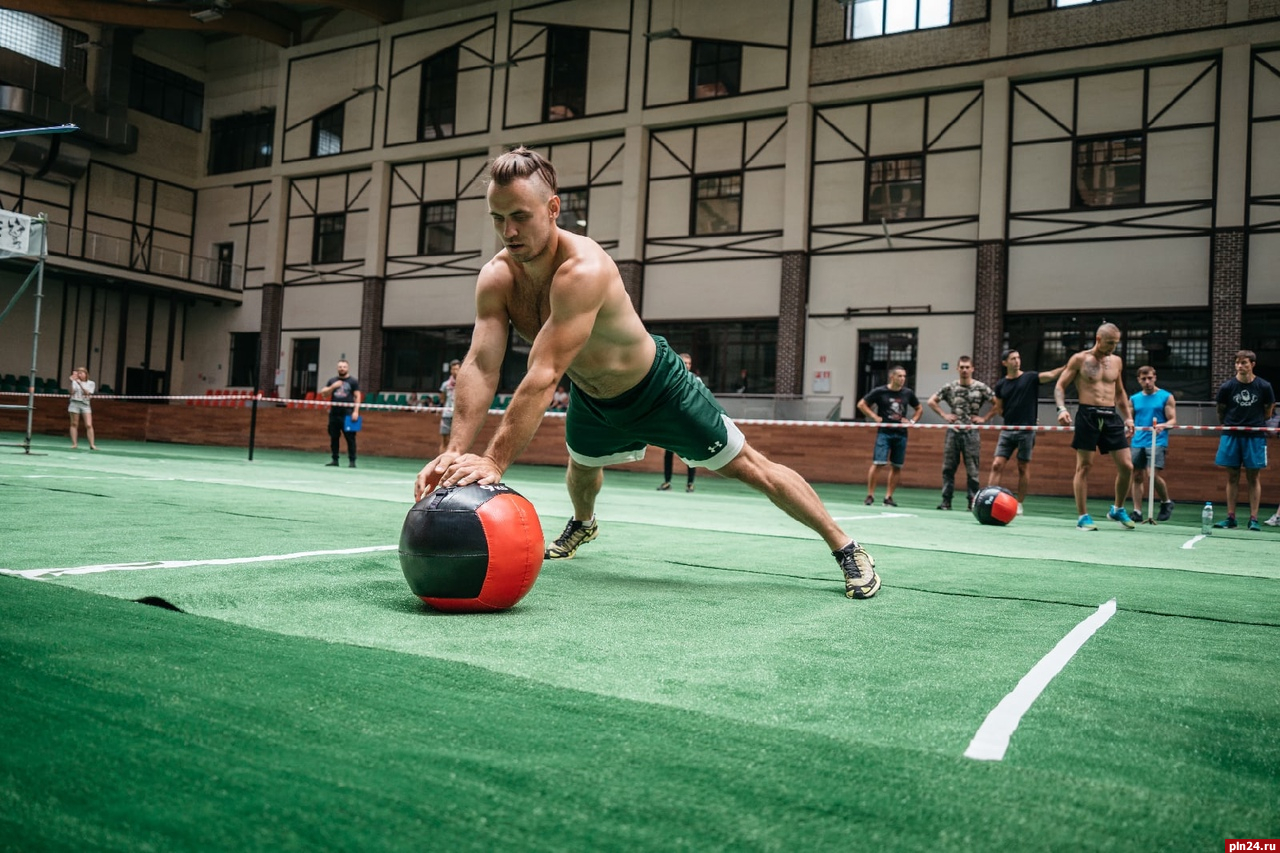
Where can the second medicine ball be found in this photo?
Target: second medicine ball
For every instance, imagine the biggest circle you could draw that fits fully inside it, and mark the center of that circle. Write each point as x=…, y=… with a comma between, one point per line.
x=995, y=505
x=471, y=548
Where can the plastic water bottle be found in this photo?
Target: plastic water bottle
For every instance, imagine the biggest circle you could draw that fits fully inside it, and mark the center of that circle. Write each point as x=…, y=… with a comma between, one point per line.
x=1206, y=519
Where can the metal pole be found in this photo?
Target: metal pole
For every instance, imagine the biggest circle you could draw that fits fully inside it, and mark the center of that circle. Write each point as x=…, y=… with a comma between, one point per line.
x=35, y=334
x=257, y=391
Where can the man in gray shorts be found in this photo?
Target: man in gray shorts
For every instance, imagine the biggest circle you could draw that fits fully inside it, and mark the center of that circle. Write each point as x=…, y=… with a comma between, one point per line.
x=563, y=294
x=1016, y=401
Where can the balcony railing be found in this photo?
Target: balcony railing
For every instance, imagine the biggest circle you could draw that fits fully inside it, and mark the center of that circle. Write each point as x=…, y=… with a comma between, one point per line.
x=124, y=254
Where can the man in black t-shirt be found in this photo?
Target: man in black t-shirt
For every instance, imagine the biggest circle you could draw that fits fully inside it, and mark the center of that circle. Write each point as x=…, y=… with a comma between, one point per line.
x=1017, y=398
x=1244, y=400
x=344, y=390
x=890, y=403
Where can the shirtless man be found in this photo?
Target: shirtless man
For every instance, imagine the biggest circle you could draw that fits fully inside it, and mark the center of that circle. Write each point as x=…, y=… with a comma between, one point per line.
x=1104, y=420
x=563, y=294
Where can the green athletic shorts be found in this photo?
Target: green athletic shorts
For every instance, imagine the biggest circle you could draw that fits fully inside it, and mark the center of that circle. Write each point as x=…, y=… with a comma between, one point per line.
x=670, y=409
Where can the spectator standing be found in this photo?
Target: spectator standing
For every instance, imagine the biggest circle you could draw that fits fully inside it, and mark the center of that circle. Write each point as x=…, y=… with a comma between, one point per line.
x=1248, y=401
x=448, y=390
x=965, y=397
x=1154, y=408
x=1017, y=398
x=344, y=392
x=889, y=404
x=669, y=457
x=82, y=388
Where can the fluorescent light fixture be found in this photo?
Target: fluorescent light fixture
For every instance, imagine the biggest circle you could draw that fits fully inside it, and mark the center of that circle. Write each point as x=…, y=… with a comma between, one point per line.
x=672, y=33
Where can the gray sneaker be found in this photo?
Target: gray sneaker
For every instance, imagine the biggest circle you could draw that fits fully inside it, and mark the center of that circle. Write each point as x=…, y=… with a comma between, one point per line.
x=1166, y=511
x=860, y=578
x=575, y=533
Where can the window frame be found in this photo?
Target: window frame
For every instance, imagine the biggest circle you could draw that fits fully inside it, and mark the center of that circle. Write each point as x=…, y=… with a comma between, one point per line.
x=850, y=24
x=1077, y=144
x=427, y=226
x=247, y=135
x=566, y=194
x=322, y=238
x=565, y=76
x=325, y=122
x=716, y=66
x=868, y=185
x=149, y=81
x=436, y=95
x=696, y=199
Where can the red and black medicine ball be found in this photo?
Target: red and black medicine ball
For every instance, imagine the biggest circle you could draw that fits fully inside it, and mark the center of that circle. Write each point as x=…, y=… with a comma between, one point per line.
x=471, y=548
x=995, y=505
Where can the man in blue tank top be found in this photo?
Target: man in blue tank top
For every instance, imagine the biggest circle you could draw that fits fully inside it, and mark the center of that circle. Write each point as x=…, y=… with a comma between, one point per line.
x=1154, y=413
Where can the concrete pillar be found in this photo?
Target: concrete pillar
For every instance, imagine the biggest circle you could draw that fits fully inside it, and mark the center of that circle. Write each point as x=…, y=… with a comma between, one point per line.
x=988, y=309
x=269, y=332
x=371, y=305
x=793, y=305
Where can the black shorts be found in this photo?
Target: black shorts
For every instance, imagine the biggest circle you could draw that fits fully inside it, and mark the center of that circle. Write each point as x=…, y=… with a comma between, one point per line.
x=1099, y=428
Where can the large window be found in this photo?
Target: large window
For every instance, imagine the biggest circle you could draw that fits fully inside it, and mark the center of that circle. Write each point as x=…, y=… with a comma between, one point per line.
x=717, y=204
x=32, y=37
x=722, y=350
x=870, y=18
x=1022, y=7
x=1175, y=344
x=418, y=359
x=565, y=84
x=326, y=132
x=1108, y=171
x=716, y=70
x=438, y=96
x=330, y=238
x=241, y=142
x=573, y=210
x=243, y=360
x=439, y=221
x=895, y=188
x=165, y=94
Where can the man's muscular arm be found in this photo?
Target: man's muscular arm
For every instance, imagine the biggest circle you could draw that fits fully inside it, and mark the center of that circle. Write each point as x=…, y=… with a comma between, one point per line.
x=577, y=293
x=1067, y=376
x=1123, y=405
x=477, y=375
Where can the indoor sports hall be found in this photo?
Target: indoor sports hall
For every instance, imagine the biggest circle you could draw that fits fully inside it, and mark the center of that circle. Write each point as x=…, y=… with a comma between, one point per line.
x=228, y=225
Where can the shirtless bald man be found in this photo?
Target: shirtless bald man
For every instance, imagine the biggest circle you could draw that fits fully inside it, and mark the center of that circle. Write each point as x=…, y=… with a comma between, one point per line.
x=563, y=294
x=1104, y=420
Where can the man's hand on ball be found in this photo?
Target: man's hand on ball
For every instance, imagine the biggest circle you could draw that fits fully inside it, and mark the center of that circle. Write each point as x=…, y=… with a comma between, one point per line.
x=430, y=475
x=470, y=468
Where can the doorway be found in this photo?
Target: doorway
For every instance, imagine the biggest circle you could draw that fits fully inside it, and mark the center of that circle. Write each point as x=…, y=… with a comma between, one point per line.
x=881, y=349
x=304, y=375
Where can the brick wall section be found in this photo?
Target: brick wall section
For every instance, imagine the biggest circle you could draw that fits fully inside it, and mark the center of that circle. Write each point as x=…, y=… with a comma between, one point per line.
x=371, y=302
x=988, y=315
x=632, y=273
x=272, y=319
x=1226, y=301
x=792, y=305
x=1100, y=23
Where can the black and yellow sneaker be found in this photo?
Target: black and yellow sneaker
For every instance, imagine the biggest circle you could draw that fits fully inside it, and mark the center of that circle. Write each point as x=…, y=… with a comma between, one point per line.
x=860, y=578
x=575, y=533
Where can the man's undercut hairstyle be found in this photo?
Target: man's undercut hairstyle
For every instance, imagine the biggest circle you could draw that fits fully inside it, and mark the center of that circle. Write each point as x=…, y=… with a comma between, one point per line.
x=1249, y=354
x=896, y=368
x=521, y=163
x=1145, y=369
x=964, y=359
x=1108, y=327
x=1004, y=356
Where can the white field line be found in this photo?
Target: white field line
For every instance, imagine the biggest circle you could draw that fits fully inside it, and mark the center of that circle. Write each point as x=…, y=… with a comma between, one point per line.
x=875, y=517
x=992, y=738
x=1191, y=543
x=38, y=574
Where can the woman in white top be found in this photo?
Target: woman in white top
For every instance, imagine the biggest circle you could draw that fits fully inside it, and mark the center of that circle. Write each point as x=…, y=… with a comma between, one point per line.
x=82, y=388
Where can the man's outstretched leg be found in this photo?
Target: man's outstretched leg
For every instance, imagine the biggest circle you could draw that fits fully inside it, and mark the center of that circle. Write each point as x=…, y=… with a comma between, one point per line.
x=584, y=484
x=793, y=495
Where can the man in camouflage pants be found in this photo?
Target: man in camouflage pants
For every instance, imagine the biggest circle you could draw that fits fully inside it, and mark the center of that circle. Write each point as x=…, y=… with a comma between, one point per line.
x=965, y=396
